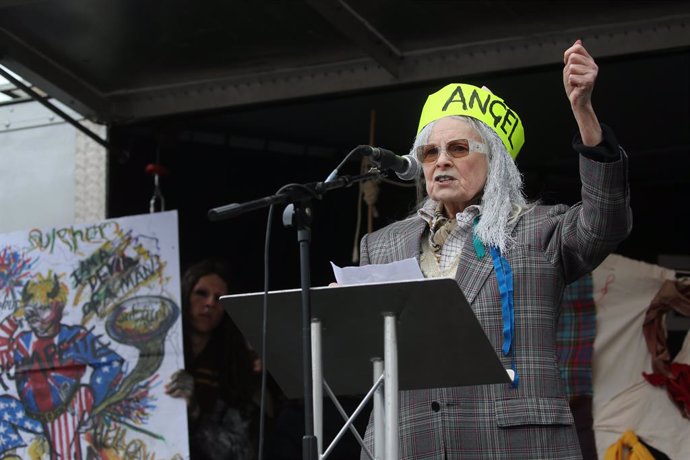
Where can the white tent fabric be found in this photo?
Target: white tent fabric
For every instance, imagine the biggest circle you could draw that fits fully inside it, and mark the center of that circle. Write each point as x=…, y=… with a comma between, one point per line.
x=623, y=290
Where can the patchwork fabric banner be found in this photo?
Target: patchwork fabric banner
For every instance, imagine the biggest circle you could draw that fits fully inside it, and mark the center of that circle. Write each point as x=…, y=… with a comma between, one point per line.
x=90, y=330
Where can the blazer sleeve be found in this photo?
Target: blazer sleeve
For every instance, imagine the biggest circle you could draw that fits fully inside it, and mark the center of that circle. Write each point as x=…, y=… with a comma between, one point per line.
x=364, y=250
x=581, y=237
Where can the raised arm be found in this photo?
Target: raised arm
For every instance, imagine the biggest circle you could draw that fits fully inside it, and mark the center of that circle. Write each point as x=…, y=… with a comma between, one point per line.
x=579, y=76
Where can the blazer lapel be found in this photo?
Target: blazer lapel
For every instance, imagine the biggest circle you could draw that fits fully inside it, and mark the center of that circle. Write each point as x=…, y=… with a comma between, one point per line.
x=473, y=272
x=410, y=238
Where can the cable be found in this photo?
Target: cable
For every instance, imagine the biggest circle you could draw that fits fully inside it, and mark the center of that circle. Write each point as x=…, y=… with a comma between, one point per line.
x=334, y=173
x=264, y=320
x=309, y=190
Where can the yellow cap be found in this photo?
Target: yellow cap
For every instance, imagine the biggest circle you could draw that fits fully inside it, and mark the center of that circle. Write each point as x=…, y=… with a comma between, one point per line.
x=479, y=103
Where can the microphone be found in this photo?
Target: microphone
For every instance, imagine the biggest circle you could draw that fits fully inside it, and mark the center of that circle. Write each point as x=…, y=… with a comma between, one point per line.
x=405, y=167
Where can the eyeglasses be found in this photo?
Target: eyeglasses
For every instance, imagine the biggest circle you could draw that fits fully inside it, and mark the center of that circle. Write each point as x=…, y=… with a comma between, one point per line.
x=457, y=148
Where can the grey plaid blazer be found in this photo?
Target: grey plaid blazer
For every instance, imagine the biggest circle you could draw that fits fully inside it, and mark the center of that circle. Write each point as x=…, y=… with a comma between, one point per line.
x=555, y=245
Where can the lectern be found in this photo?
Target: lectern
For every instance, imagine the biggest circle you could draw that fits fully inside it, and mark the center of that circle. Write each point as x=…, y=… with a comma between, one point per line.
x=415, y=334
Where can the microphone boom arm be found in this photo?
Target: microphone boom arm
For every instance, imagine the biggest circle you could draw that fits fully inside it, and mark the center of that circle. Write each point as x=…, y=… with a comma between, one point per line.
x=290, y=193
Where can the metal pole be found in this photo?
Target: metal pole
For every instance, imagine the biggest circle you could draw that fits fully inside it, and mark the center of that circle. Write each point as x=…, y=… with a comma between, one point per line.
x=379, y=439
x=342, y=412
x=355, y=414
x=391, y=396
x=317, y=382
x=309, y=443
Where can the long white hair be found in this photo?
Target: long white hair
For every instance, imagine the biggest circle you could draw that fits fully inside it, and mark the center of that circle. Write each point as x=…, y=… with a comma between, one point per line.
x=502, y=200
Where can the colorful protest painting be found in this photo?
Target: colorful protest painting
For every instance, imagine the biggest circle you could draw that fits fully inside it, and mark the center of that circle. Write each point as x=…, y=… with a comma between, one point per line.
x=90, y=331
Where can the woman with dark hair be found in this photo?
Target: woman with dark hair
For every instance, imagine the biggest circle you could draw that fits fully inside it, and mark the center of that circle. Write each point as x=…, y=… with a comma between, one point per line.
x=220, y=379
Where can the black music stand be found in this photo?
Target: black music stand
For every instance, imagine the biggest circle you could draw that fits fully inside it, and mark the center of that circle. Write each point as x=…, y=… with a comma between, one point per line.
x=440, y=342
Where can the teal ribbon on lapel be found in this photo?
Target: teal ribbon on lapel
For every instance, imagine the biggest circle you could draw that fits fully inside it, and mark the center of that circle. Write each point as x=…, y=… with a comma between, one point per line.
x=476, y=242
x=504, y=276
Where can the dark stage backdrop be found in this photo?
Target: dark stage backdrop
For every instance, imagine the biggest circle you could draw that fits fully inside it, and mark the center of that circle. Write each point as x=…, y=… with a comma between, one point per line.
x=645, y=98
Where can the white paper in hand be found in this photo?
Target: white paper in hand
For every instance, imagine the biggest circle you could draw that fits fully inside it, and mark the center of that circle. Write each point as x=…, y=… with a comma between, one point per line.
x=403, y=270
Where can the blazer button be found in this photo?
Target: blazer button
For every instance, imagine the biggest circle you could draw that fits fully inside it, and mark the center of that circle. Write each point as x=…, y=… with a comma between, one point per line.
x=435, y=406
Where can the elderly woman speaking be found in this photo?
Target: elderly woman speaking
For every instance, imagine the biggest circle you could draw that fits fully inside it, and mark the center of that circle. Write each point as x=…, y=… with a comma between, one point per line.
x=512, y=259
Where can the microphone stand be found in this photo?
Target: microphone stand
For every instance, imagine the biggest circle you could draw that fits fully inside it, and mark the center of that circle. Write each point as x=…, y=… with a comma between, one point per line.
x=298, y=214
